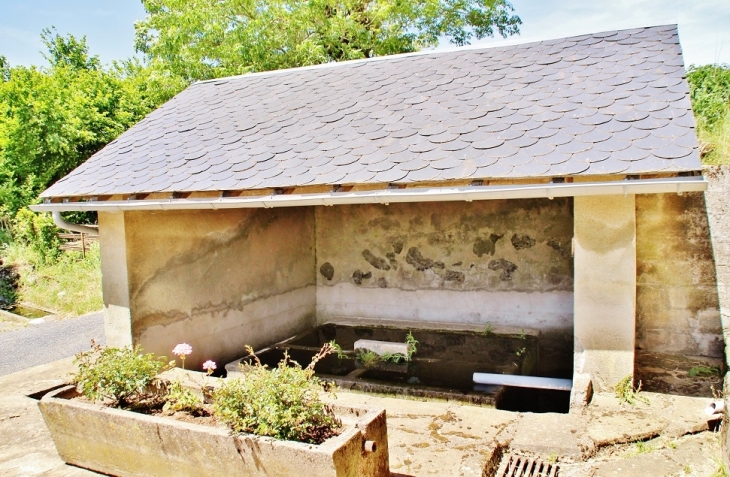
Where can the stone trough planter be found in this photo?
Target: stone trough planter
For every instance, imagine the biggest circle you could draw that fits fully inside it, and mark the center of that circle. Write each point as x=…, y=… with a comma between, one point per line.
x=117, y=442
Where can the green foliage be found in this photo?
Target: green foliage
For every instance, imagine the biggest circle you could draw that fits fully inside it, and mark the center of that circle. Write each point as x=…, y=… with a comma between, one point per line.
x=8, y=286
x=721, y=470
x=715, y=142
x=337, y=349
x=178, y=398
x=53, y=119
x=705, y=371
x=283, y=402
x=70, y=285
x=199, y=39
x=68, y=51
x=709, y=87
x=122, y=376
x=370, y=358
x=640, y=447
x=625, y=391
x=39, y=232
x=412, y=345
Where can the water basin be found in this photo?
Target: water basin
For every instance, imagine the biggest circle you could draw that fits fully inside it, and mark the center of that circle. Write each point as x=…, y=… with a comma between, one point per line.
x=442, y=367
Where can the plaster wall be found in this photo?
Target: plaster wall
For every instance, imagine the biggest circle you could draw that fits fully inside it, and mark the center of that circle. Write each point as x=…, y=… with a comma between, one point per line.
x=115, y=286
x=605, y=288
x=717, y=199
x=484, y=263
x=219, y=279
x=678, y=310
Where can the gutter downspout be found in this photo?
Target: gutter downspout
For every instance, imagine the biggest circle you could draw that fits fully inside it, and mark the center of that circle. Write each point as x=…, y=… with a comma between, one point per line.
x=58, y=220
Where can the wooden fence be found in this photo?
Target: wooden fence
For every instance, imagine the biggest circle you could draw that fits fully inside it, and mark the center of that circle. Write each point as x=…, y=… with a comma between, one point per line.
x=77, y=242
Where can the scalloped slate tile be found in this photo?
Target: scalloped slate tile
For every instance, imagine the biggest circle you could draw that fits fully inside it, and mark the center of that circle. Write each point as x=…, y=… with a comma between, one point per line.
x=609, y=103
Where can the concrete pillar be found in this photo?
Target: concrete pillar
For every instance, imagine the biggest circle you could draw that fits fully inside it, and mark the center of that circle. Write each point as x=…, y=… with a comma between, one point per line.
x=114, y=281
x=717, y=199
x=605, y=288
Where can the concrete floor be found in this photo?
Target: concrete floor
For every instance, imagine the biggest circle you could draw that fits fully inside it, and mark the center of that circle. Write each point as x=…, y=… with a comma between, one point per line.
x=429, y=438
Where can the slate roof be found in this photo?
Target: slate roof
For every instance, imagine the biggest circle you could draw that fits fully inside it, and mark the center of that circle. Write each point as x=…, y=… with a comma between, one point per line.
x=607, y=103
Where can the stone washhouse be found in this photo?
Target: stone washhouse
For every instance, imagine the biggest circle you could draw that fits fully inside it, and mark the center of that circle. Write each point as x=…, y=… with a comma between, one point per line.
x=553, y=186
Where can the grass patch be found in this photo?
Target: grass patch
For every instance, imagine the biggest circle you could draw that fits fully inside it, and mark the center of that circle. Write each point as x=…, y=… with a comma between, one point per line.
x=721, y=470
x=715, y=142
x=641, y=447
x=71, y=285
x=626, y=392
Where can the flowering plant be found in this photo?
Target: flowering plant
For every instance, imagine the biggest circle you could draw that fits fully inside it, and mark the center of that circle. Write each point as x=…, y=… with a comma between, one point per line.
x=182, y=350
x=209, y=366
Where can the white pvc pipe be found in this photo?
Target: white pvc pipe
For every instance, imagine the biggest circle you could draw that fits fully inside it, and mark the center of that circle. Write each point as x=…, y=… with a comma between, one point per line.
x=536, y=382
x=676, y=185
x=715, y=408
x=58, y=220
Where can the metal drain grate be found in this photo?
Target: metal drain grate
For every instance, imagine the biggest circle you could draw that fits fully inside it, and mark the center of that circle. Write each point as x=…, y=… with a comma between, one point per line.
x=520, y=466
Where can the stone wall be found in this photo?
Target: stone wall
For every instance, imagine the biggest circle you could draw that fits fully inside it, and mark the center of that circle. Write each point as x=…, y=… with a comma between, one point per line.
x=219, y=279
x=677, y=302
x=488, y=263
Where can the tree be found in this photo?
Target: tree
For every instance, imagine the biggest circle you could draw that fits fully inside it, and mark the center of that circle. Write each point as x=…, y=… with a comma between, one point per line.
x=202, y=39
x=53, y=119
x=68, y=51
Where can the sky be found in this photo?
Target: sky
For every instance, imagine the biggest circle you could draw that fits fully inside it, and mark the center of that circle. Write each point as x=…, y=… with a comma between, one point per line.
x=704, y=25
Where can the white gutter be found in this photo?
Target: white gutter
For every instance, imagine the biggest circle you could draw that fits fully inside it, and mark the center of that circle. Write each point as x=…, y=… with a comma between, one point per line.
x=58, y=220
x=385, y=196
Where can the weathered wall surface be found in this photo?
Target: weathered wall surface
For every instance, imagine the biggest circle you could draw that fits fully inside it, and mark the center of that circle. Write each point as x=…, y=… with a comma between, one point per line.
x=718, y=212
x=676, y=294
x=605, y=288
x=115, y=284
x=500, y=262
x=219, y=279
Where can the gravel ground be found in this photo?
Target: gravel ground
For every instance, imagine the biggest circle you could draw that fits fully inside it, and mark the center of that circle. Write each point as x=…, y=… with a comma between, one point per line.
x=49, y=341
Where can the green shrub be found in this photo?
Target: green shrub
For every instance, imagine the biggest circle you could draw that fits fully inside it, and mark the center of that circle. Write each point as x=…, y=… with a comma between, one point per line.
x=178, y=398
x=39, y=232
x=120, y=376
x=283, y=402
x=709, y=87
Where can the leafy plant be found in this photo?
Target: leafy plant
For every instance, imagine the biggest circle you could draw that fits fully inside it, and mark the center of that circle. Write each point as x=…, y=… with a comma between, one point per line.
x=120, y=376
x=412, y=344
x=283, y=402
x=705, y=371
x=338, y=350
x=625, y=391
x=179, y=398
x=487, y=330
x=368, y=358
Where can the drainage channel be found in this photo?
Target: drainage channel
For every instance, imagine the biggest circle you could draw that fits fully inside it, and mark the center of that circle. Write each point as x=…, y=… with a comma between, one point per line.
x=24, y=313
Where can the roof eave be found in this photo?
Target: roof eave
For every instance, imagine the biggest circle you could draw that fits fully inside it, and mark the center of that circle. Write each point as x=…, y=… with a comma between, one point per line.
x=386, y=196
